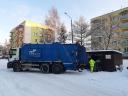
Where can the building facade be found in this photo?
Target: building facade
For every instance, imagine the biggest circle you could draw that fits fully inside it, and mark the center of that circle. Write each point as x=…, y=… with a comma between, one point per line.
x=30, y=32
x=110, y=31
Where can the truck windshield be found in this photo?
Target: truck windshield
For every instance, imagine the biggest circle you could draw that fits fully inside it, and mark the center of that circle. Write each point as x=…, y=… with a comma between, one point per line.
x=13, y=52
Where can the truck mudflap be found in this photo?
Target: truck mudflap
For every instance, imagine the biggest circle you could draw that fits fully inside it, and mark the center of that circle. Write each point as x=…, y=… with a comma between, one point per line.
x=79, y=67
x=82, y=66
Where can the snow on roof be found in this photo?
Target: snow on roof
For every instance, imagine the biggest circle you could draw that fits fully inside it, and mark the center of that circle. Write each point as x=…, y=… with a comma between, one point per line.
x=105, y=51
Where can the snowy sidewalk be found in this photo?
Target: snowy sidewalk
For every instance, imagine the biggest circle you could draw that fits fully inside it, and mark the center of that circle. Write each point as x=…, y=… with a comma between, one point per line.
x=68, y=84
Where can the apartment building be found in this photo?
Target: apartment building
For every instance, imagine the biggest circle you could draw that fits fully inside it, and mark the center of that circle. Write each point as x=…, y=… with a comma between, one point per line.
x=31, y=32
x=110, y=31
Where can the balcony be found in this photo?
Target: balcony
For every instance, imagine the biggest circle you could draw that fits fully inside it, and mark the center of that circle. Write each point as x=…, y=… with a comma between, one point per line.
x=124, y=24
x=125, y=34
x=117, y=30
x=125, y=43
x=124, y=12
x=124, y=20
x=124, y=16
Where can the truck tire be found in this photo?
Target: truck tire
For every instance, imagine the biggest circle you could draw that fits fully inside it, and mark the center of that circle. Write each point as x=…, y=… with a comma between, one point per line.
x=44, y=68
x=57, y=68
x=16, y=67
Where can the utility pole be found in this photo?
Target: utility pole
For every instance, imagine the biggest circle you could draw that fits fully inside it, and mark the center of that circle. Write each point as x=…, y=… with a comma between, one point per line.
x=71, y=24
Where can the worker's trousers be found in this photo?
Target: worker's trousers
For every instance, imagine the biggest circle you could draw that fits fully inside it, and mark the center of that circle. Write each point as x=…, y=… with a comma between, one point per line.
x=91, y=68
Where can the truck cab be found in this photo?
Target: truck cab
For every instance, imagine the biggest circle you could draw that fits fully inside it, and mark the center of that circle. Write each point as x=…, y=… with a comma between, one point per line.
x=13, y=55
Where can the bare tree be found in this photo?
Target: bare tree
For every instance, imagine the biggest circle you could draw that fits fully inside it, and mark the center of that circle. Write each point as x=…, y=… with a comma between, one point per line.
x=107, y=34
x=81, y=29
x=52, y=19
x=62, y=34
x=102, y=34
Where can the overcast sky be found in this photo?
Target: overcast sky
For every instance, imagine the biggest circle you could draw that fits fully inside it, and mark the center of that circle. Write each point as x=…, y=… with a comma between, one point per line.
x=13, y=12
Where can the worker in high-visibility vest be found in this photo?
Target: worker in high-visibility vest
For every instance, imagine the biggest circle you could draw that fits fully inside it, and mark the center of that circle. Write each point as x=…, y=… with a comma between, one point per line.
x=92, y=64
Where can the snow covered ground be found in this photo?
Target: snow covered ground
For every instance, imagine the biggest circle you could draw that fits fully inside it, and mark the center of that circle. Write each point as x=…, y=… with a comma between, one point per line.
x=68, y=84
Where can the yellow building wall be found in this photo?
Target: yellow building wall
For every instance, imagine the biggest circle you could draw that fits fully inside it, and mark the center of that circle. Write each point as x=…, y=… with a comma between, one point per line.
x=40, y=33
x=37, y=35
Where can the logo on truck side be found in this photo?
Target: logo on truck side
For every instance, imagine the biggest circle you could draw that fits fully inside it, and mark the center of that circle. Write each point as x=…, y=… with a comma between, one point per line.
x=34, y=53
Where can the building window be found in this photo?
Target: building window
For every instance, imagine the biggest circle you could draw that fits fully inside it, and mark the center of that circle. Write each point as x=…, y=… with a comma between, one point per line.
x=35, y=34
x=36, y=40
x=124, y=12
x=100, y=39
x=114, y=43
x=126, y=50
x=127, y=43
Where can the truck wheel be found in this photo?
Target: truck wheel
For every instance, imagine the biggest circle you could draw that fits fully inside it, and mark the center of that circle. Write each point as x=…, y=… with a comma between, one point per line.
x=16, y=67
x=57, y=68
x=9, y=65
x=44, y=68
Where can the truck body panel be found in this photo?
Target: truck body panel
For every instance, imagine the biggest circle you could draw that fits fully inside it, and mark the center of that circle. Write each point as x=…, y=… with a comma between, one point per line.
x=69, y=54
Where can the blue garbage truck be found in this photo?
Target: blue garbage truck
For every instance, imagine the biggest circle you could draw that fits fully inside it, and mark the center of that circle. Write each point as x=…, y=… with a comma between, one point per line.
x=55, y=58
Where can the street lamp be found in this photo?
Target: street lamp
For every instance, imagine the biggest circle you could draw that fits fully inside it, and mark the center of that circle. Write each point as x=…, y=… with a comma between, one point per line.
x=71, y=24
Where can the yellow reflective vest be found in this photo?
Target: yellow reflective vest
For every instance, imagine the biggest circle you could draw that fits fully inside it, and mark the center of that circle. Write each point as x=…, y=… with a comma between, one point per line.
x=92, y=62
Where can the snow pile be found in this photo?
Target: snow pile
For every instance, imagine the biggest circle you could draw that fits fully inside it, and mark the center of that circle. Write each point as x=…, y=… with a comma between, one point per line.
x=68, y=84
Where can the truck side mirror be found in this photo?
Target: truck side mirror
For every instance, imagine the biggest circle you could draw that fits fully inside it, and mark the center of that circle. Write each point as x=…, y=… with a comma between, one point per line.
x=127, y=67
x=10, y=55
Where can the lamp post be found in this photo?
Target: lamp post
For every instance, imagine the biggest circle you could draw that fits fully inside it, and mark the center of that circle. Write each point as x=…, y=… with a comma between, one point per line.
x=71, y=24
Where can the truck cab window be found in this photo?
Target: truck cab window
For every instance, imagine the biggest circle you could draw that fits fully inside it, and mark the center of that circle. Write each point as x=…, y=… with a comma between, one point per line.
x=12, y=52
